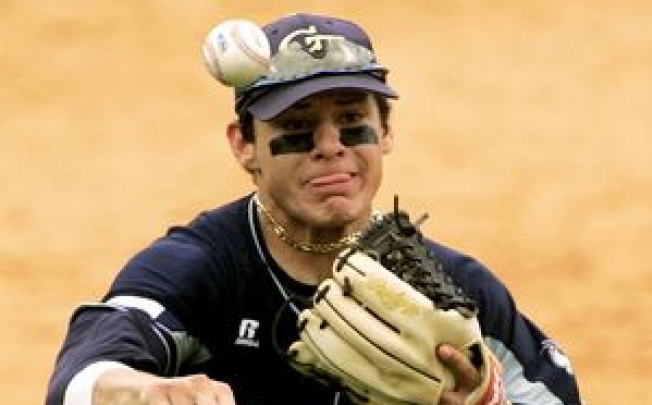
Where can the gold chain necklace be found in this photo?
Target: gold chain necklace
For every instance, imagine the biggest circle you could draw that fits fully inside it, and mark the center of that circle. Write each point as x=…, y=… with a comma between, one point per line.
x=309, y=247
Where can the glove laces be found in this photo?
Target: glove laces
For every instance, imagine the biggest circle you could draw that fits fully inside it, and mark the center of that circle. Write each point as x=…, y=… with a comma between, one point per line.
x=398, y=244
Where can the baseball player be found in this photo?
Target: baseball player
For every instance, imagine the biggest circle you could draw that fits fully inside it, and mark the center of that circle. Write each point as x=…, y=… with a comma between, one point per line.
x=204, y=313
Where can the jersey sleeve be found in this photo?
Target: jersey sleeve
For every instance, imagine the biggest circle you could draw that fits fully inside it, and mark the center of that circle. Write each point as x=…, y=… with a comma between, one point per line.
x=149, y=318
x=536, y=371
x=100, y=332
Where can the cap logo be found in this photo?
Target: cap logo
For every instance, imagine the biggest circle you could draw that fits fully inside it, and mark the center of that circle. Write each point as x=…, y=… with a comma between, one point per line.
x=311, y=42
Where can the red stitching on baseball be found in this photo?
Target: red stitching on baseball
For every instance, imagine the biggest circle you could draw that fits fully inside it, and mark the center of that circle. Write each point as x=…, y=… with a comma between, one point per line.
x=252, y=54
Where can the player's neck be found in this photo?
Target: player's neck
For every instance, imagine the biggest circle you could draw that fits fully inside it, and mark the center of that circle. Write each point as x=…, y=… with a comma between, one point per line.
x=312, y=244
x=305, y=267
x=307, y=262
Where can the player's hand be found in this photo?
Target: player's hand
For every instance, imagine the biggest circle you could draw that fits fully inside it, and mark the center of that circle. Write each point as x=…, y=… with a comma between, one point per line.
x=467, y=378
x=126, y=386
x=189, y=390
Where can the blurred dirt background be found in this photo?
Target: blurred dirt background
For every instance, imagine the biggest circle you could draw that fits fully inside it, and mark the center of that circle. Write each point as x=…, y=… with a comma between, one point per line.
x=523, y=130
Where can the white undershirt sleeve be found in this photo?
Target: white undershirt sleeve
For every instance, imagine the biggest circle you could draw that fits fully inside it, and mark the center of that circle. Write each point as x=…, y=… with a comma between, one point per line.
x=80, y=388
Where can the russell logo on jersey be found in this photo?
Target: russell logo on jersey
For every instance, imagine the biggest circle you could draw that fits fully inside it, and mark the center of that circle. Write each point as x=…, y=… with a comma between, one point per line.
x=247, y=333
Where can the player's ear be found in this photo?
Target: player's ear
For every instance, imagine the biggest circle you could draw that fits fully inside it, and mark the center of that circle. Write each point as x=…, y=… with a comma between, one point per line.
x=387, y=139
x=242, y=150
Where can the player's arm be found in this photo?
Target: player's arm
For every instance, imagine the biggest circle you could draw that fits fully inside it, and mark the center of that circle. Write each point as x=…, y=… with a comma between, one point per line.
x=116, y=353
x=534, y=369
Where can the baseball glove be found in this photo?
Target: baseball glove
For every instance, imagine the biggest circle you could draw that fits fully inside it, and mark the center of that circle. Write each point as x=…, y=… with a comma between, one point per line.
x=373, y=328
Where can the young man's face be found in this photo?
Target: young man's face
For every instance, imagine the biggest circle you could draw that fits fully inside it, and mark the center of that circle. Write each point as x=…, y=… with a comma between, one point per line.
x=320, y=161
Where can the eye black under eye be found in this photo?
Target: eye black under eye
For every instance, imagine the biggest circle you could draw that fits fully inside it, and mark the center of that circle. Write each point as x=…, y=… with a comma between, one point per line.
x=303, y=142
x=292, y=143
x=361, y=135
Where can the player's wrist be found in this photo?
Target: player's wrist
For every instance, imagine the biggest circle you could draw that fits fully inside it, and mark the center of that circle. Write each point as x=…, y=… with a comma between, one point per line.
x=492, y=390
x=81, y=387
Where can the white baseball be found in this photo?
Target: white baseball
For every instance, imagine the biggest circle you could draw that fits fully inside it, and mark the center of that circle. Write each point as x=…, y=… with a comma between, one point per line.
x=236, y=52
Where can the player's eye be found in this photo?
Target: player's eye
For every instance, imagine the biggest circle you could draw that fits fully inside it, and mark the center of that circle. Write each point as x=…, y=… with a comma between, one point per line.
x=359, y=135
x=297, y=125
x=351, y=117
x=299, y=142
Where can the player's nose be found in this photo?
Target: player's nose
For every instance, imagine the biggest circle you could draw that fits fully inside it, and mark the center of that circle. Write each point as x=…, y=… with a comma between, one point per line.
x=327, y=141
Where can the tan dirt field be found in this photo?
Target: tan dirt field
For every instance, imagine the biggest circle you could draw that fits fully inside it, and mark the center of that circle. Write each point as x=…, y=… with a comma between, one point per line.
x=523, y=129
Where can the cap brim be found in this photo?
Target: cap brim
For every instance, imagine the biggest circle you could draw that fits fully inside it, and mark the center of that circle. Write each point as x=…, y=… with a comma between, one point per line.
x=281, y=98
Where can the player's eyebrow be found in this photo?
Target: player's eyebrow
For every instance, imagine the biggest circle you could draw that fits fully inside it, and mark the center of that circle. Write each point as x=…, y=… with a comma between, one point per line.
x=301, y=105
x=353, y=97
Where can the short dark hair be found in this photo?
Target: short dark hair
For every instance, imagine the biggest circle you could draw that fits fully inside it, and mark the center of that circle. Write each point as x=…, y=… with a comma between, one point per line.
x=246, y=119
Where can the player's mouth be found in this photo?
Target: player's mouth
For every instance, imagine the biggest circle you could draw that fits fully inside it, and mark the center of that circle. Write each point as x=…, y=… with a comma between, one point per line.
x=333, y=183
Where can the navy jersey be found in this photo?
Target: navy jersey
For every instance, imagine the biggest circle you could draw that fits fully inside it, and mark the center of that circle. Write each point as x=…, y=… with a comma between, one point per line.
x=208, y=297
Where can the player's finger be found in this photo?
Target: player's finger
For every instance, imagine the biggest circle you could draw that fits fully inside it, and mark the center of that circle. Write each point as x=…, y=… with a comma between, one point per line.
x=154, y=394
x=209, y=392
x=203, y=392
x=223, y=393
x=180, y=397
x=467, y=376
x=206, y=398
x=451, y=398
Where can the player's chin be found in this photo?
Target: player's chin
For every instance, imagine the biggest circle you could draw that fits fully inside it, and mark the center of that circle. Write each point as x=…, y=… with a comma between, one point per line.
x=346, y=207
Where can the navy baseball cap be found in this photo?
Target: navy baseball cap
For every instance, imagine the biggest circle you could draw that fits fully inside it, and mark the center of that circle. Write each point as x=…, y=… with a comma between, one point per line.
x=312, y=53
